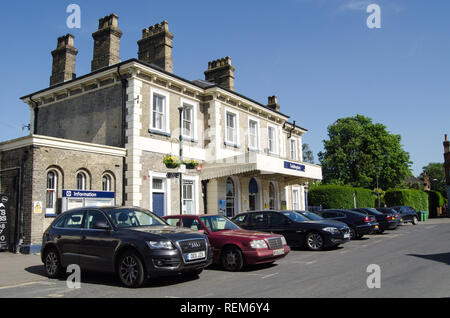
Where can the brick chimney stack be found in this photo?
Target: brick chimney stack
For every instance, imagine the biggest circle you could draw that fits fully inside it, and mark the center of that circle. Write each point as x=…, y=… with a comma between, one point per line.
x=64, y=56
x=221, y=72
x=155, y=47
x=273, y=104
x=106, y=43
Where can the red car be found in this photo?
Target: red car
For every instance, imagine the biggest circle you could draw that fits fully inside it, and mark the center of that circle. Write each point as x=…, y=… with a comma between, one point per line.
x=232, y=246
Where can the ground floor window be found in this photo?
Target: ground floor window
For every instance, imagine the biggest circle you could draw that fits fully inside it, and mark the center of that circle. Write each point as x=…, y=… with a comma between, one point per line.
x=295, y=199
x=252, y=195
x=272, y=196
x=231, y=197
x=52, y=182
x=188, y=197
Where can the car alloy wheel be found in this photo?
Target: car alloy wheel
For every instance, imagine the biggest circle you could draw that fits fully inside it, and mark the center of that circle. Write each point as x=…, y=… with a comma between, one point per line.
x=415, y=220
x=232, y=259
x=352, y=234
x=52, y=264
x=314, y=241
x=131, y=270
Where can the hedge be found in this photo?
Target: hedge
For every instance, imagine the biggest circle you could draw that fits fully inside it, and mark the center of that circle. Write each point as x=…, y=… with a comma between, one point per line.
x=337, y=197
x=416, y=199
x=435, y=200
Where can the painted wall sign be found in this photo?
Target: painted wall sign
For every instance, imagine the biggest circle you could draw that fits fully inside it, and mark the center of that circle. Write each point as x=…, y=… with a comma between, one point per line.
x=3, y=222
x=37, y=207
x=87, y=194
x=294, y=166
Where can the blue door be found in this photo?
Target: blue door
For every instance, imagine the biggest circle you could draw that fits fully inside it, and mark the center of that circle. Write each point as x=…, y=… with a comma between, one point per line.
x=158, y=203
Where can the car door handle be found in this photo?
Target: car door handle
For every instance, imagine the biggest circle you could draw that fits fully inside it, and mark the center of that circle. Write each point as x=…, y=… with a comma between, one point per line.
x=83, y=237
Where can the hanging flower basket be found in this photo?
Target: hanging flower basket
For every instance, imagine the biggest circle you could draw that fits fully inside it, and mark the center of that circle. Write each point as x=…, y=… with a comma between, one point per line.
x=191, y=164
x=171, y=162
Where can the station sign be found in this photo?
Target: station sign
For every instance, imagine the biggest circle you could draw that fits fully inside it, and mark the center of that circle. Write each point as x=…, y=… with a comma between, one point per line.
x=4, y=222
x=294, y=166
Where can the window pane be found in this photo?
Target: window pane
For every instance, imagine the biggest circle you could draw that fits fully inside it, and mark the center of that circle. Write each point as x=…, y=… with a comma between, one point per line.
x=74, y=220
x=157, y=184
x=92, y=217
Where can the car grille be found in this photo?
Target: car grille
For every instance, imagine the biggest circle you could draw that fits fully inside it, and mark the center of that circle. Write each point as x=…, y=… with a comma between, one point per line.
x=190, y=246
x=275, y=243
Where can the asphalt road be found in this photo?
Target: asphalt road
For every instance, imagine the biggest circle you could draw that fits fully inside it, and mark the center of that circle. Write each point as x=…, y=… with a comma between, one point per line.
x=414, y=262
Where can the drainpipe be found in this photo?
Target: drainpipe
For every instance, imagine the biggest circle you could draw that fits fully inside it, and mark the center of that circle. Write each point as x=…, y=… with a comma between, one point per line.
x=124, y=83
x=36, y=113
x=290, y=131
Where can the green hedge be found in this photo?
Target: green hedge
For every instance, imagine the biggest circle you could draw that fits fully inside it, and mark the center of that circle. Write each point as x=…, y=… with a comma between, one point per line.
x=337, y=197
x=435, y=200
x=416, y=199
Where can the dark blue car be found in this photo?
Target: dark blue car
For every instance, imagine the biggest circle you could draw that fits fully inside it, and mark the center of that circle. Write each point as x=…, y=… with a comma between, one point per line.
x=360, y=224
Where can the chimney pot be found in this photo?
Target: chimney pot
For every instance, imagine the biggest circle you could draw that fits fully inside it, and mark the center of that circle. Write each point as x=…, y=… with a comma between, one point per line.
x=273, y=103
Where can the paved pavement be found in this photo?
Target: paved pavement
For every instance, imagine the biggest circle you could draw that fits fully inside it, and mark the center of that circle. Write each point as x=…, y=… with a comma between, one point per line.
x=414, y=262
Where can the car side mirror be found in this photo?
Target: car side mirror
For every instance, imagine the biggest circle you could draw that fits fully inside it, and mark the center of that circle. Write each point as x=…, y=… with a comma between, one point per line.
x=101, y=225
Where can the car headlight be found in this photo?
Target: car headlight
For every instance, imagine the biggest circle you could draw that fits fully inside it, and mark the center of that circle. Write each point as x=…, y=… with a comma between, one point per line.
x=163, y=245
x=332, y=230
x=283, y=240
x=258, y=244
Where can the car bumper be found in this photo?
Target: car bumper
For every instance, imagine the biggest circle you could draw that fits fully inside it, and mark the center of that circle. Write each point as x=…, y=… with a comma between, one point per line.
x=164, y=263
x=335, y=239
x=262, y=256
x=366, y=229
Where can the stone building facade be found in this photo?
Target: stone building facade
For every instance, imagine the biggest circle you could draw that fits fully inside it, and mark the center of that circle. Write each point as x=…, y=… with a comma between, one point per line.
x=123, y=118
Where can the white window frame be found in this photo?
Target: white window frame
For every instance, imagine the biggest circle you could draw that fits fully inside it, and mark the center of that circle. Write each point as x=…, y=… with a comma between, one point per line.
x=283, y=144
x=52, y=210
x=109, y=182
x=194, y=106
x=236, y=128
x=298, y=197
x=195, y=194
x=275, y=141
x=293, y=150
x=84, y=180
x=166, y=113
x=250, y=147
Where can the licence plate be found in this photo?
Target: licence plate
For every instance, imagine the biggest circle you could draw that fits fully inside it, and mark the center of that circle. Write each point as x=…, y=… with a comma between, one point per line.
x=278, y=252
x=346, y=236
x=194, y=256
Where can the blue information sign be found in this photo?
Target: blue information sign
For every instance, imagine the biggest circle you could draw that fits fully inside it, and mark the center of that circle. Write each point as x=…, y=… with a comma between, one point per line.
x=294, y=166
x=88, y=194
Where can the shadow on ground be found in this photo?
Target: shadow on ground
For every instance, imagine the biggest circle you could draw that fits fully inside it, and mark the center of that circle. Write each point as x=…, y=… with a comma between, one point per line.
x=442, y=257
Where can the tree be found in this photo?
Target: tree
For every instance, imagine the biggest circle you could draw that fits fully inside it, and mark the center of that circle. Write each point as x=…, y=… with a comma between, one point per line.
x=436, y=173
x=358, y=151
x=308, y=155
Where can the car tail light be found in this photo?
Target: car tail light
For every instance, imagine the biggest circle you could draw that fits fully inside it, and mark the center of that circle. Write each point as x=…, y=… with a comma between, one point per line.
x=366, y=219
x=389, y=218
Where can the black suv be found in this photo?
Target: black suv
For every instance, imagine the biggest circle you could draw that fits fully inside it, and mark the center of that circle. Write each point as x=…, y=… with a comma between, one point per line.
x=407, y=213
x=360, y=224
x=298, y=229
x=130, y=241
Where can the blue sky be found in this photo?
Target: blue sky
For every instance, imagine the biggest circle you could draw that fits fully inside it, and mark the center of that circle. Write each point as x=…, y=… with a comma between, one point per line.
x=317, y=56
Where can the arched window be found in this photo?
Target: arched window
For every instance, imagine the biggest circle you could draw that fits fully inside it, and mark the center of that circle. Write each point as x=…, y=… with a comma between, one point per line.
x=230, y=197
x=272, y=196
x=52, y=187
x=81, y=181
x=106, y=182
x=252, y=194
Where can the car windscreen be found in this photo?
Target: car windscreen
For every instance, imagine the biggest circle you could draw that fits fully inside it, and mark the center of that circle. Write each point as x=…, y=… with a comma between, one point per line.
x=125, y=218
x=374, y=211
x=296, y=217
x=311, y=215
x=216, y=223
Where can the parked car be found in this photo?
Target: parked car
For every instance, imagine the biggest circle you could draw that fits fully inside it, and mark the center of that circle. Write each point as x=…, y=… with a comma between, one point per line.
x=360, y=224
x=408, y=214
x=389, y=211
x=130, y=241
x=386, y=221
x=296, y=228
x=232, y=246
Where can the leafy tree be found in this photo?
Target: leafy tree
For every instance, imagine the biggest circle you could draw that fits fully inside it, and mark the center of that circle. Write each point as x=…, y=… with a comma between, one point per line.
x=308, y=155
x=358, y=151
x=436, y=173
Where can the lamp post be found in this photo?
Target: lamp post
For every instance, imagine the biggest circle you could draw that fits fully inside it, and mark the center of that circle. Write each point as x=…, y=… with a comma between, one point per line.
x=181, y=109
